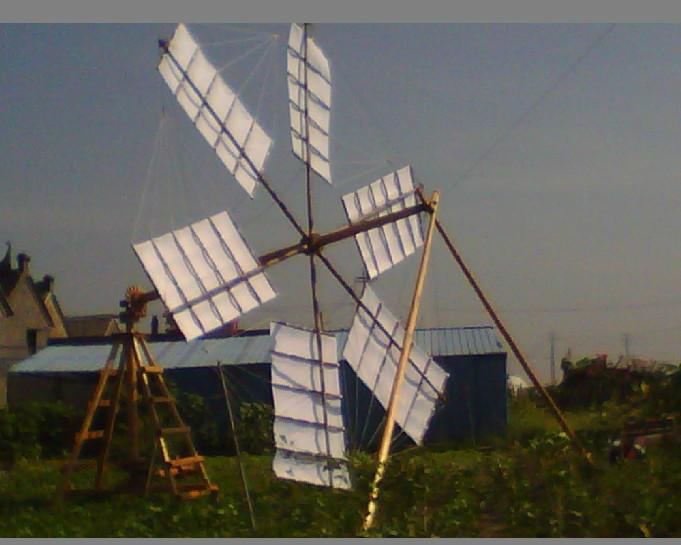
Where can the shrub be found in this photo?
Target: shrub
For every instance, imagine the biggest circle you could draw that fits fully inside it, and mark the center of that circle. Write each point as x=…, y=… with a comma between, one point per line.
x=34, y=430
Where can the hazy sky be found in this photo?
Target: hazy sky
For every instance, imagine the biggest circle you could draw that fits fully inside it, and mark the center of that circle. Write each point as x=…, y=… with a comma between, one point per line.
x=556, y=148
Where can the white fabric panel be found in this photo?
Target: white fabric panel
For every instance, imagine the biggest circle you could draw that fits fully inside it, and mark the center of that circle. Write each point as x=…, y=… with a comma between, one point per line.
x=215, y=110
x=318, y=87
x=295, y=38
x=170, y=73
x=302, y=343
x=157, y=273
x=321, y=117
x=317, y=59
x=309, y=87
x=192, y=250
x=375, y=359
x=188, y=99
x=300, y=411
x=221, y=98
x=319, y=142
x=167, y=247
x=301, y=375
x=292, y=466
x=307, y=406
x=199, y=272
x=201, y=72
x=321, y=166
x=182, y=45
x=261, y=285
x=187, y=323
x=208, y=315
x=383, y=247
x=308, y=438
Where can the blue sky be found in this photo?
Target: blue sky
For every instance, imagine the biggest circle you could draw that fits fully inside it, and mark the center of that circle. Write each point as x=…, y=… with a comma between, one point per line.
x=569, y=221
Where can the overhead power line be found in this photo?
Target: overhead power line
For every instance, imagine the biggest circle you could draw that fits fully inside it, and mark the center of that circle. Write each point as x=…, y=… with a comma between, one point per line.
x=535, y=105
x=596, y=308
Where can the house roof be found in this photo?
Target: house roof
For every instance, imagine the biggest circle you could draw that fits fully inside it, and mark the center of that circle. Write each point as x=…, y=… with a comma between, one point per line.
x=10, y=278
x=94, y=325
x=245, y=349
x=5, y=308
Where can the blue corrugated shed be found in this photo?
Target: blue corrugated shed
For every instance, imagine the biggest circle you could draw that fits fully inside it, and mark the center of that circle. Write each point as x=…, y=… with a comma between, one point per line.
x=474, y=404
x=251, y=349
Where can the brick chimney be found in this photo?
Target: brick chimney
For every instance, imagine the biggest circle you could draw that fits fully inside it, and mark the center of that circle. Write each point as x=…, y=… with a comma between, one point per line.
x=48, y=283
x=6, y=263
x=24, y=263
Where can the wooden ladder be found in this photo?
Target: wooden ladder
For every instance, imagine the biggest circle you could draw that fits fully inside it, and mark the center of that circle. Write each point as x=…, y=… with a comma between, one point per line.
x=184, y=471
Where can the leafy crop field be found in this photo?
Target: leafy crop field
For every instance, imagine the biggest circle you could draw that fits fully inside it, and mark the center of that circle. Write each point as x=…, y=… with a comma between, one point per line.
x=526, y=484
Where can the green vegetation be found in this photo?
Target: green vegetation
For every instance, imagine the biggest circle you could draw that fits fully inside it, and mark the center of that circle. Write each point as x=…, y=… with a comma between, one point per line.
x=36, y=430
x=529, y=483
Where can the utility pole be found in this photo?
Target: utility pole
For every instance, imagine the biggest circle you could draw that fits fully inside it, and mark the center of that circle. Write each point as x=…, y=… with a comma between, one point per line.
x=552, y=340
x=626, y=339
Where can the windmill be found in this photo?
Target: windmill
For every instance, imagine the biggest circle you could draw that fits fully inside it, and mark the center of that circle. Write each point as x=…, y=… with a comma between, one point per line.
x=206, y=275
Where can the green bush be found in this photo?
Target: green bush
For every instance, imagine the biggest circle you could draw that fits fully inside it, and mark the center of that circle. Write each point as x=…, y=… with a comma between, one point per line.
x=35, y=430
x=254, y=428
x=212, y=432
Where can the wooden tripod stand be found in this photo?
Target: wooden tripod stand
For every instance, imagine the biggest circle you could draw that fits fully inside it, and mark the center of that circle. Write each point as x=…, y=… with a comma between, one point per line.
x=138, y=382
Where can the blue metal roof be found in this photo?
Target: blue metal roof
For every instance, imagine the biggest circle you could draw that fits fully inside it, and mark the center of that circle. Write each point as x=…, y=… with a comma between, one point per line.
x=451, y=341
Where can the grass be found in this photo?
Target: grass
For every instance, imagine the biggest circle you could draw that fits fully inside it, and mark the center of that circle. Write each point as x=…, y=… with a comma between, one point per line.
x=528, y=484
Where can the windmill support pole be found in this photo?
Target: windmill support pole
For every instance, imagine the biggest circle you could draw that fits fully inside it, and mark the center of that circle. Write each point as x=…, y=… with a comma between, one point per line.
x=384, y=449
x=132, y=395
x=316, y=310
x=511, y=342
x=232, y=425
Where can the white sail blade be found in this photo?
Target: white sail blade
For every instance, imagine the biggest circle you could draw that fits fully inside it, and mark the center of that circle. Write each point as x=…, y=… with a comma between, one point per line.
x=309, y=432
x=218, y=114
x=205, y=274
x=374, y=356
x=383, y=247
x=309, y=91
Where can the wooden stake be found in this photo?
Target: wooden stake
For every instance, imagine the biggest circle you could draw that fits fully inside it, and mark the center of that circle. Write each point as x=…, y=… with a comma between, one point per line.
x=111, y=417
x=132, y=367
x=512, y=344
x=384, y=449
x=236, y=446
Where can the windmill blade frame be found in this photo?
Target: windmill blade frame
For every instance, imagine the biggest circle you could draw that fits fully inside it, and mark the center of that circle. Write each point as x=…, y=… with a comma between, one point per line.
x=310, y=447
x=215, y=110
x=309, y=90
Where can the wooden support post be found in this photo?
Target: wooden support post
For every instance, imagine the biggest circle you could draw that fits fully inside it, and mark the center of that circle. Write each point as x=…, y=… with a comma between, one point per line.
x=384, y=449
x=93, y=404
x=512, y=344
x=232, y=425
x=132, y=370
x=111, y=417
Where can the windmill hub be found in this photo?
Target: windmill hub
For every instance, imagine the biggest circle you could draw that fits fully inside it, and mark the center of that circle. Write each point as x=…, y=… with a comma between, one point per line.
x=312, y=243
